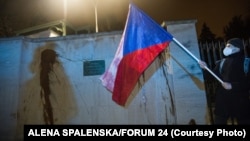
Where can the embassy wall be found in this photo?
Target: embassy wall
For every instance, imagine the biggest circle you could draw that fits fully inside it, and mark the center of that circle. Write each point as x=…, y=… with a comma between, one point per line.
x=188, y=83
x=169, y=92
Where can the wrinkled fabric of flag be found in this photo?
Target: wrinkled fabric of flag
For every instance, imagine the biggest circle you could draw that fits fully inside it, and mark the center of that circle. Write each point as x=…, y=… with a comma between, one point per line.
x=141, y=42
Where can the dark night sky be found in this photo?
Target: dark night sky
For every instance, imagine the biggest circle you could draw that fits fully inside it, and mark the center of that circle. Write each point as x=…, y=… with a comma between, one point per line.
x=216, y=14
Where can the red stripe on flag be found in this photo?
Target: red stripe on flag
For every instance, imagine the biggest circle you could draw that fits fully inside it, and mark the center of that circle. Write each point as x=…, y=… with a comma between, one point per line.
x=130, y=69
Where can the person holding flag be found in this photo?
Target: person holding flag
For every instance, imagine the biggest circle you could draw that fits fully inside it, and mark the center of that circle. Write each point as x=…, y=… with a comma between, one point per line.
x=141, y=42
x=232, y=96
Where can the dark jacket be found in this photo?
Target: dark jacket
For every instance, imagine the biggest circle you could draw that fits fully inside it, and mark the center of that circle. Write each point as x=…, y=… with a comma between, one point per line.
x=234, y=102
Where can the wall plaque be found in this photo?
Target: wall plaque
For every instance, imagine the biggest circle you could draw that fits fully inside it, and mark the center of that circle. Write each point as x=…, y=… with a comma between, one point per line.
x=96, y=67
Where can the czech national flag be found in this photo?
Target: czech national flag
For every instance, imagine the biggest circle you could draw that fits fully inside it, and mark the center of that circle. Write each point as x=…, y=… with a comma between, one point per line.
x=142, y=41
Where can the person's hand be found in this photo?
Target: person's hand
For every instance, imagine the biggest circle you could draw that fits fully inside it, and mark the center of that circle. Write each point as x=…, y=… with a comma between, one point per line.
x=227, y=85
x=202, y=64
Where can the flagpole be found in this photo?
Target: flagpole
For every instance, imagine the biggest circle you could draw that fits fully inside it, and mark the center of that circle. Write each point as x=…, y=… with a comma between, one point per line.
x=185, y=49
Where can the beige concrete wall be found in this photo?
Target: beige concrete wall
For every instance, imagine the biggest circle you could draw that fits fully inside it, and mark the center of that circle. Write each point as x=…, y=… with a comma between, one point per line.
x=189, y=90
x=166, y=94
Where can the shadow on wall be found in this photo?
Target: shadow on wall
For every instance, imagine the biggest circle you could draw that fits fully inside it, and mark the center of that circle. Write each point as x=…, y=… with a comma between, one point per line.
x=47, y=98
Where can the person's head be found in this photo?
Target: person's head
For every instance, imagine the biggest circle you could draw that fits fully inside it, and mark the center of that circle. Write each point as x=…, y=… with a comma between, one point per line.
x=233, y=46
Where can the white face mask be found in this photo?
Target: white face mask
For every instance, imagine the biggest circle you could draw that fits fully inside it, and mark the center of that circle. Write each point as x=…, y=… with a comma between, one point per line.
x=230, y=49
